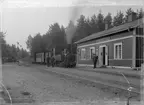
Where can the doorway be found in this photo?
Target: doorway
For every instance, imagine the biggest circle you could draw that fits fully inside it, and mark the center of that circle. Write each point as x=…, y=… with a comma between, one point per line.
x=103, y=55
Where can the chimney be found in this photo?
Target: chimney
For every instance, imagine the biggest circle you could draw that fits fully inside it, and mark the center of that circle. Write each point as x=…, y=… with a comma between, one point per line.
x=132, y=17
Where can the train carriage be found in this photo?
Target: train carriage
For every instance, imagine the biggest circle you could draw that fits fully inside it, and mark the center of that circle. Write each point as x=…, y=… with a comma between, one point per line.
x=39, y=57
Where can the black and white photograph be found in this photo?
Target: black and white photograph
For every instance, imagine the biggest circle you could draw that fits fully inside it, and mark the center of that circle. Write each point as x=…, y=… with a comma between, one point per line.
x=71, y=52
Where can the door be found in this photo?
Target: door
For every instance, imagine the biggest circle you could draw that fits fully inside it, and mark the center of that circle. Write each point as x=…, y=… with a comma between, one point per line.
x=103, y=55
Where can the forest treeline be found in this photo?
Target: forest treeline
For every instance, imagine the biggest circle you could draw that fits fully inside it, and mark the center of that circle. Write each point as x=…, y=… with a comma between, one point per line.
x=11, y=51
x=60, y=36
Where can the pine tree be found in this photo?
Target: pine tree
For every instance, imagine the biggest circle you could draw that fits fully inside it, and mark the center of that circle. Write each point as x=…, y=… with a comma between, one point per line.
x=93, y=24
x=108, y=20
x=100, y=22
x=128, y=12
x=118, y=19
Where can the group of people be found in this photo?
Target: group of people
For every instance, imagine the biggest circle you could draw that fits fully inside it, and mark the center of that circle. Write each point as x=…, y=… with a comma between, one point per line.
x=50, y=61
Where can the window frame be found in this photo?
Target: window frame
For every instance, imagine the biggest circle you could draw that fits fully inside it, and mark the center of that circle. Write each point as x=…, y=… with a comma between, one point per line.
x=118, y=57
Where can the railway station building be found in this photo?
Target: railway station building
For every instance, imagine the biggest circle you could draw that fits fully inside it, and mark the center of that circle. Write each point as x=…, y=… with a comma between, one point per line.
x=120, y=46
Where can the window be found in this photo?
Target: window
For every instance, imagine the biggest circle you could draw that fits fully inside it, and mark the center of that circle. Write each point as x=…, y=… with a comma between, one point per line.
x=118, y=51
x=83, y=54
x=92, y=51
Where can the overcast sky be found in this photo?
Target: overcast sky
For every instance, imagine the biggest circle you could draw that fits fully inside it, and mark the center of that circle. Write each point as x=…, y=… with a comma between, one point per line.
x=23, y=17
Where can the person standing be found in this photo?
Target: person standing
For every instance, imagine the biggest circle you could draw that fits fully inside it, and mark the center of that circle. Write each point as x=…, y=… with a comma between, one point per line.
x=48, y=61
x=52, y=61
x=95, y=58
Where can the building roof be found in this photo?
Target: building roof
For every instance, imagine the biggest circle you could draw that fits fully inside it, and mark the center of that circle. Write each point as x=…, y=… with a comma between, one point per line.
x=113, y=30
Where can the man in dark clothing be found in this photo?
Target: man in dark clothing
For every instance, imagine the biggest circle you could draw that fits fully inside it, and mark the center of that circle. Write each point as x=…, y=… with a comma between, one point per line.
x=48, y=61
x=95, y=58
x=52, y=61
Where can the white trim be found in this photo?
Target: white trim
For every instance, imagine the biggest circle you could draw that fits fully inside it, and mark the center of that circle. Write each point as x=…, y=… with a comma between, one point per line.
x=106, y=41
x=116, y=44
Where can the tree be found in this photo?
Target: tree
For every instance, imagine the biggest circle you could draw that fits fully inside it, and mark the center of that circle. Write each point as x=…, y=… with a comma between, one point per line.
x=29, y=42
x=13, y=51
x=47, y=41
x=140, y=13
x=23, y=53
x=93, y=24
x=10, y=51
x=128, y=12
x=118, y=19
x=108, y=20
x=88, y=26
x=57, y=35
x=80, y=29
x=37, y=43
x=3, y=44
x=100, y=22
x=81, y=21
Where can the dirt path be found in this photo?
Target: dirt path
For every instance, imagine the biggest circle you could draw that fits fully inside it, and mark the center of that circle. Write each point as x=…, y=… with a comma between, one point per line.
x=45, y=88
